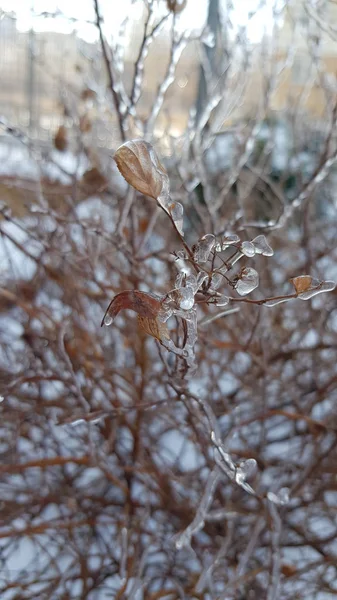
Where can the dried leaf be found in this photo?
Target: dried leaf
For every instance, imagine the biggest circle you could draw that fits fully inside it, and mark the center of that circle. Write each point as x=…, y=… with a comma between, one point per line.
x=60, y=139
x=176, y=6
x=144, y=304
x=302, y=283
x=154, y=327
x=94, y=180
x=88, y=94
x=85, y=124
x=140, y=166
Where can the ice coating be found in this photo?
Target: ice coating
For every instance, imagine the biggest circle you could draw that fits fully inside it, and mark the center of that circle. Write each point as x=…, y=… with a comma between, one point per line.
x=203, y=248
x=249, y=280
x=177, y=214
x=248, y=249
x=261, y=246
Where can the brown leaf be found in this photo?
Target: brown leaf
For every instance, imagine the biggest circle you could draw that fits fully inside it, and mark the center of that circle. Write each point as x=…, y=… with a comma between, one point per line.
x=60, y=139
x=176, y=6
x=144, y=304
x=154, y=327
x=140, y=166
x=94, y=180
x=302, y=283
x=85, y=124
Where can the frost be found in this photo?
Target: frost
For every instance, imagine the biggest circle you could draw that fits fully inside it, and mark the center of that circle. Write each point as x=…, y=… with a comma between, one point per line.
x=177, y=214
x=186, y=301
x=248, y=249
x=249, y=280
x=261, y=246
x=203, y=248
x=282, y=497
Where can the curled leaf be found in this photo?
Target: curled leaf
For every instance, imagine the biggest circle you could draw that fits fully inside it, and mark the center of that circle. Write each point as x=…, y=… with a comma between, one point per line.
x=141, y=168
x=144, y=304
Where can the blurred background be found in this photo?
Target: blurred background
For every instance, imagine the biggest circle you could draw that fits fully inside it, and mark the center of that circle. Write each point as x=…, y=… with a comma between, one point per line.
x=104, y=457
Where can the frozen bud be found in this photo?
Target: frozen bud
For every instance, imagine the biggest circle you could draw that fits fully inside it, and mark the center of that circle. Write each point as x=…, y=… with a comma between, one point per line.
x=246, y=470
x=249, y=280
x=141, y=168
x=261, y=246
x=248, y=249
x=203, y=248
x=230, y=240
x=186, y=301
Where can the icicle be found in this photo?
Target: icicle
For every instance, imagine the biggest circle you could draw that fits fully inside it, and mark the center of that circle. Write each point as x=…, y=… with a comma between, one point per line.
x=281, y=497
x=248, y=249
x=249, y=280
x=177, y=214
x=204, y=248
x=261, y=246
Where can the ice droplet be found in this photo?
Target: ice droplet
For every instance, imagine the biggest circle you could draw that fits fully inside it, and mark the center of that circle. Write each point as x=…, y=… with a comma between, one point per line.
x=217, y=279
x=2, y=398
x=248, y=249
x=229, y=240
x=249, y=280
x=281, y=497
x=222, y=301
x=203, y=248
x=186, y=298
x=177, y=214
x=108, y=320
x=218, y=247
x=261, y=246
x=245, y=470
